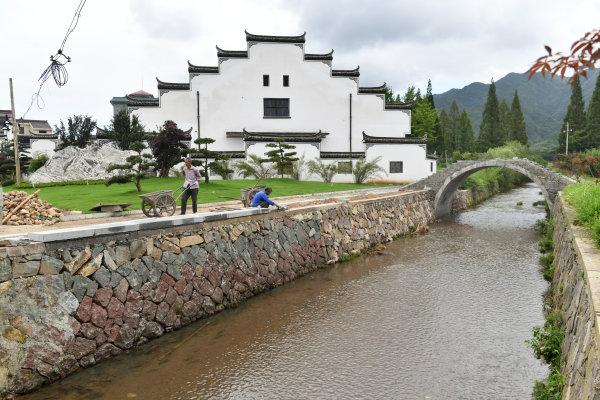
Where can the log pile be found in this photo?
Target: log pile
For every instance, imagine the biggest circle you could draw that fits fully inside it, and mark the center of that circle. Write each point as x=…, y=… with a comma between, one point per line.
x=32, y=210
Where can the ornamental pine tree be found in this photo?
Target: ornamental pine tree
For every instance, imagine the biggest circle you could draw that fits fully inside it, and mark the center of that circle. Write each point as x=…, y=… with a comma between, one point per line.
x=167, y=147
x=280, y=156
x=490, y=130
x=205, y=153
x=592, y=123
x=505, y=121
x=467, y=137
x=575, y=116
x=134, y=169
x=518, y=130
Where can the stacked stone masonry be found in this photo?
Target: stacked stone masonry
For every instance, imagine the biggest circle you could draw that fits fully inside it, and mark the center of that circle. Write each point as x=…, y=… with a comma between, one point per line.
x=68, y=305
x=576, y=285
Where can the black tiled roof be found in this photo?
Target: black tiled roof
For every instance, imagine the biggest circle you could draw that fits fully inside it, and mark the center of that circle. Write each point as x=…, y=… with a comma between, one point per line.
x=172, y=86
x=346, y=72
x=298, y=137
x=250, y=37
x=319, y=57
x=231, y=53
x=342, y=154
x=373, y=89
x=393, y=140
x=141, y=101
x=201, y=69
x=403, y=106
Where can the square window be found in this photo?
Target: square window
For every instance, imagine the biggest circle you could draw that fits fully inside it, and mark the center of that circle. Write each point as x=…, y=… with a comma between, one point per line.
x=344, y=167
x=396, y=167
x=265, y=80
x=286, y=80
x=276, y=108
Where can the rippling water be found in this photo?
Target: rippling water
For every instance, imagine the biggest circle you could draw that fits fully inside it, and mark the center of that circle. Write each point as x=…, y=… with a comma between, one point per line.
x=440, y=316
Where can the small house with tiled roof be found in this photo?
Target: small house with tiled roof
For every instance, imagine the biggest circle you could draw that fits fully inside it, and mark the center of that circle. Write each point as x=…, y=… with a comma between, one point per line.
x=274, y=89
x=35, y=135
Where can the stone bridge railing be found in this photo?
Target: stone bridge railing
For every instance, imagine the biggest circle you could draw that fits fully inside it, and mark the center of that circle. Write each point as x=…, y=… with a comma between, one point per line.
x=446, y=182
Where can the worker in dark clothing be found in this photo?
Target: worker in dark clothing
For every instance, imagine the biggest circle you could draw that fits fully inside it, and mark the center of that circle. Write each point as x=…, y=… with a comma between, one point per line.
x=262, y=200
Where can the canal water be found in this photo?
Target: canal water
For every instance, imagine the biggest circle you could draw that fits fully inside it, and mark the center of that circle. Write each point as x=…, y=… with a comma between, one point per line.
x=440, y=316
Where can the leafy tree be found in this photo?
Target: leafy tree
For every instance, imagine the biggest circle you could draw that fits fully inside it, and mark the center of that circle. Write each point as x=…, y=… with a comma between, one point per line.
x=7, y=161
x=443, y=139
x=575, y=116
x=518, y=130
x=453, y=133
x=490, y=129
x=412, y=95
x=390, y=98
x=37, y=162
x=254, y=166
x=167, y=147
x=424, y=119
x=429, y=94
x=222, y=168
x=78, y=131
x=467, y=136
x=364, y=170
x=125, y=130
x=204, y=153
x=135, y=168
x=592, y=124
x=281, y=156
x=437, y=141
x=325, y=171
x=505, y=121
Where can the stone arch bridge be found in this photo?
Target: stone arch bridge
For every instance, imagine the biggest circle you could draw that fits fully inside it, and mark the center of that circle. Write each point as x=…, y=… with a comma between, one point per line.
x=445, y=183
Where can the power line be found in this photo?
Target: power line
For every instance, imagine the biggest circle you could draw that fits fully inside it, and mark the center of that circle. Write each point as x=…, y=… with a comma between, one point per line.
x=56, y=69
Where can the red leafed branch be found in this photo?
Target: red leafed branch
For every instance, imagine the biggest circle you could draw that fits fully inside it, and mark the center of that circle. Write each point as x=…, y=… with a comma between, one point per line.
x=585, y=54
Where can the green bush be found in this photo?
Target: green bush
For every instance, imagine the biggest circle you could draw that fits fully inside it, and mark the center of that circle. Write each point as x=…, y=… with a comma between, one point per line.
x=547, y=339
x=37, y=162
x=585, y=197
x=551, y=387
x=547, y=261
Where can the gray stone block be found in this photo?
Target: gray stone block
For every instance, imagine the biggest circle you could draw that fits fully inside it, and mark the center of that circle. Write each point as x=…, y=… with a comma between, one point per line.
x=50, y=266
x=25, y=269
x=102, y=276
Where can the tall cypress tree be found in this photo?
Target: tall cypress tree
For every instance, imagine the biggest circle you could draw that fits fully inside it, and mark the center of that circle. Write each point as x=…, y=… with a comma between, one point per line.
x=438, y=141
x=453, y=134
x=490, y=130
x=592, y=123
x=467, y=137
x=518, y=130
x=442, y=138
x=575, y=116
x=429, y=94
x=505, y=121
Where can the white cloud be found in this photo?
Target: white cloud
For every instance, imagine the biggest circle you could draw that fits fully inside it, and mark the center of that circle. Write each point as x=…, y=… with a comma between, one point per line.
x=122, y=45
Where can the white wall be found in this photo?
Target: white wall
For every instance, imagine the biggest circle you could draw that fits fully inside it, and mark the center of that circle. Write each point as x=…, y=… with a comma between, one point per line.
x=42, y=146
x=415, y=164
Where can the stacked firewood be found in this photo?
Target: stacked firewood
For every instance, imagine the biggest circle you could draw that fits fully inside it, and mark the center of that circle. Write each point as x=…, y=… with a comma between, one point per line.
x=32, y=210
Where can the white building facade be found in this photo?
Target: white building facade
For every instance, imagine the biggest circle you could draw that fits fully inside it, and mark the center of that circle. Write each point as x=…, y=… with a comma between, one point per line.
x=274, y=89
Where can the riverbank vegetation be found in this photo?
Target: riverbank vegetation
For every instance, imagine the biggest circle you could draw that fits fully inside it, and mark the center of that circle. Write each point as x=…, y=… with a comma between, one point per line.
x=585, y=197
x=83, y=196
x=547, y=339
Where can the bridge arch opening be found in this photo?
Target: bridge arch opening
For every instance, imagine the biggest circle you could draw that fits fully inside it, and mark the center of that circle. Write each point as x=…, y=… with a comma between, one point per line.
x=447, y=191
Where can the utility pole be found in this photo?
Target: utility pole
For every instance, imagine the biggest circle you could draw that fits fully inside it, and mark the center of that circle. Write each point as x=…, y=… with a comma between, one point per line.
x=15, y=134
x=567, y=141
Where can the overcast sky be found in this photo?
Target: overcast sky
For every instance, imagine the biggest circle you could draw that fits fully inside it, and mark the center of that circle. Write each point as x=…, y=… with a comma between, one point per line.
x=120, y=46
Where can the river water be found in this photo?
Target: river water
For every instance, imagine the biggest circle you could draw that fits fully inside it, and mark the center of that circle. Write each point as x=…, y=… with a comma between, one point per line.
x=440, y=316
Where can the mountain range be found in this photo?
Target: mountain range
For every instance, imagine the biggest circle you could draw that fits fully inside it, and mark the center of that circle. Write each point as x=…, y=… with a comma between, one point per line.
x=544, y=101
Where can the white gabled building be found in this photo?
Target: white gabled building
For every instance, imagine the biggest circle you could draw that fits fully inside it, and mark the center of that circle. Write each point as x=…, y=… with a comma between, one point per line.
x=274, y=89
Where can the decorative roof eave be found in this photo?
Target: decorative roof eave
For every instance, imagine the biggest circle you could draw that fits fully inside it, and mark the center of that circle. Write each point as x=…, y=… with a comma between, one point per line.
x=373, y=89
x=142, y=102
x=342, y=154
x=38, y=136
x=402, y=106
x=393, y=140
x=319, y=57
x=296, y=137
x=172, y=86
x=201, y=69
x=221, y=53
x=351, y=73
x=250, y=37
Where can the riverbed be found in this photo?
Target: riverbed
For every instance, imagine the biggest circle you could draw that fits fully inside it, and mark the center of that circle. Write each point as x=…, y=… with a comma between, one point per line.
x=445, y=315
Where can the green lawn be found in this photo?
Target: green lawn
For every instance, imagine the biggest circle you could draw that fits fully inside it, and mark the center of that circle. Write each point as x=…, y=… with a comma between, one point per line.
x=83, y=197
x=585, y=197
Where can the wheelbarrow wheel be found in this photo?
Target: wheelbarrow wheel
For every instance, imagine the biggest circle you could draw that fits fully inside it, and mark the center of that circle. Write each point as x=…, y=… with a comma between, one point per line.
x=164, y=206
x=147, y=209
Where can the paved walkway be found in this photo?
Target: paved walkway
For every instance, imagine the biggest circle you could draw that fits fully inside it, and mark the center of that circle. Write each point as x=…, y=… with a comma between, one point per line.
x=290, y=201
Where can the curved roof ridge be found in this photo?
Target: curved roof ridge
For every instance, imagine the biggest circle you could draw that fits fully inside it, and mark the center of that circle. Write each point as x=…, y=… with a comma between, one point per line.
x=408, y=139
x=173, y=85
x=346, y=72
x=202, y=68
x=319, y=56
x=373, y=89
x=251, y=37
x=231, y=53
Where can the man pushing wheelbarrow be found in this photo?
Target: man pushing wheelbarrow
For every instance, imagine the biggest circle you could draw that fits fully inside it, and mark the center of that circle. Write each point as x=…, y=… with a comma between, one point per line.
x=192, y=175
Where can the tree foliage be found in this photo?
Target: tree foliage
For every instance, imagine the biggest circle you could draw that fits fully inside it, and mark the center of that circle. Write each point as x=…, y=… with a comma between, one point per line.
x=575, y=117
x=518, y=130
x=222, y=167
x=7, y=161
x=254, y=166
x=78, y=131
x=424, y=120
x=125, y=130
x=364, y=170
x=135, y=168
x=324, y=170
x=204, y=153
x=281, y=156
x=592, y=123
x=167, y=147
x=490, y=131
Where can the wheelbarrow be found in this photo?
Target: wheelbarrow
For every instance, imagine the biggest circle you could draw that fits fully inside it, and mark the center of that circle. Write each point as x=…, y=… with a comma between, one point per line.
x=248, y=194
x=160, y=204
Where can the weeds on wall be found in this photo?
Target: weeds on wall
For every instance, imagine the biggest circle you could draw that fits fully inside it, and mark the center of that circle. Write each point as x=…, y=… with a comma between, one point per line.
x=547, y=339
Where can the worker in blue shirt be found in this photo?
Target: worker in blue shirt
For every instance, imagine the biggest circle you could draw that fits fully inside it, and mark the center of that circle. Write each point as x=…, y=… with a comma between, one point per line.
x=262, y=200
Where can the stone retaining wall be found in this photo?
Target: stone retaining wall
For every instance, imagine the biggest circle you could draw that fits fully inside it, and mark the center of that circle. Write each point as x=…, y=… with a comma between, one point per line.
x=66, y=305
x=576, y=285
